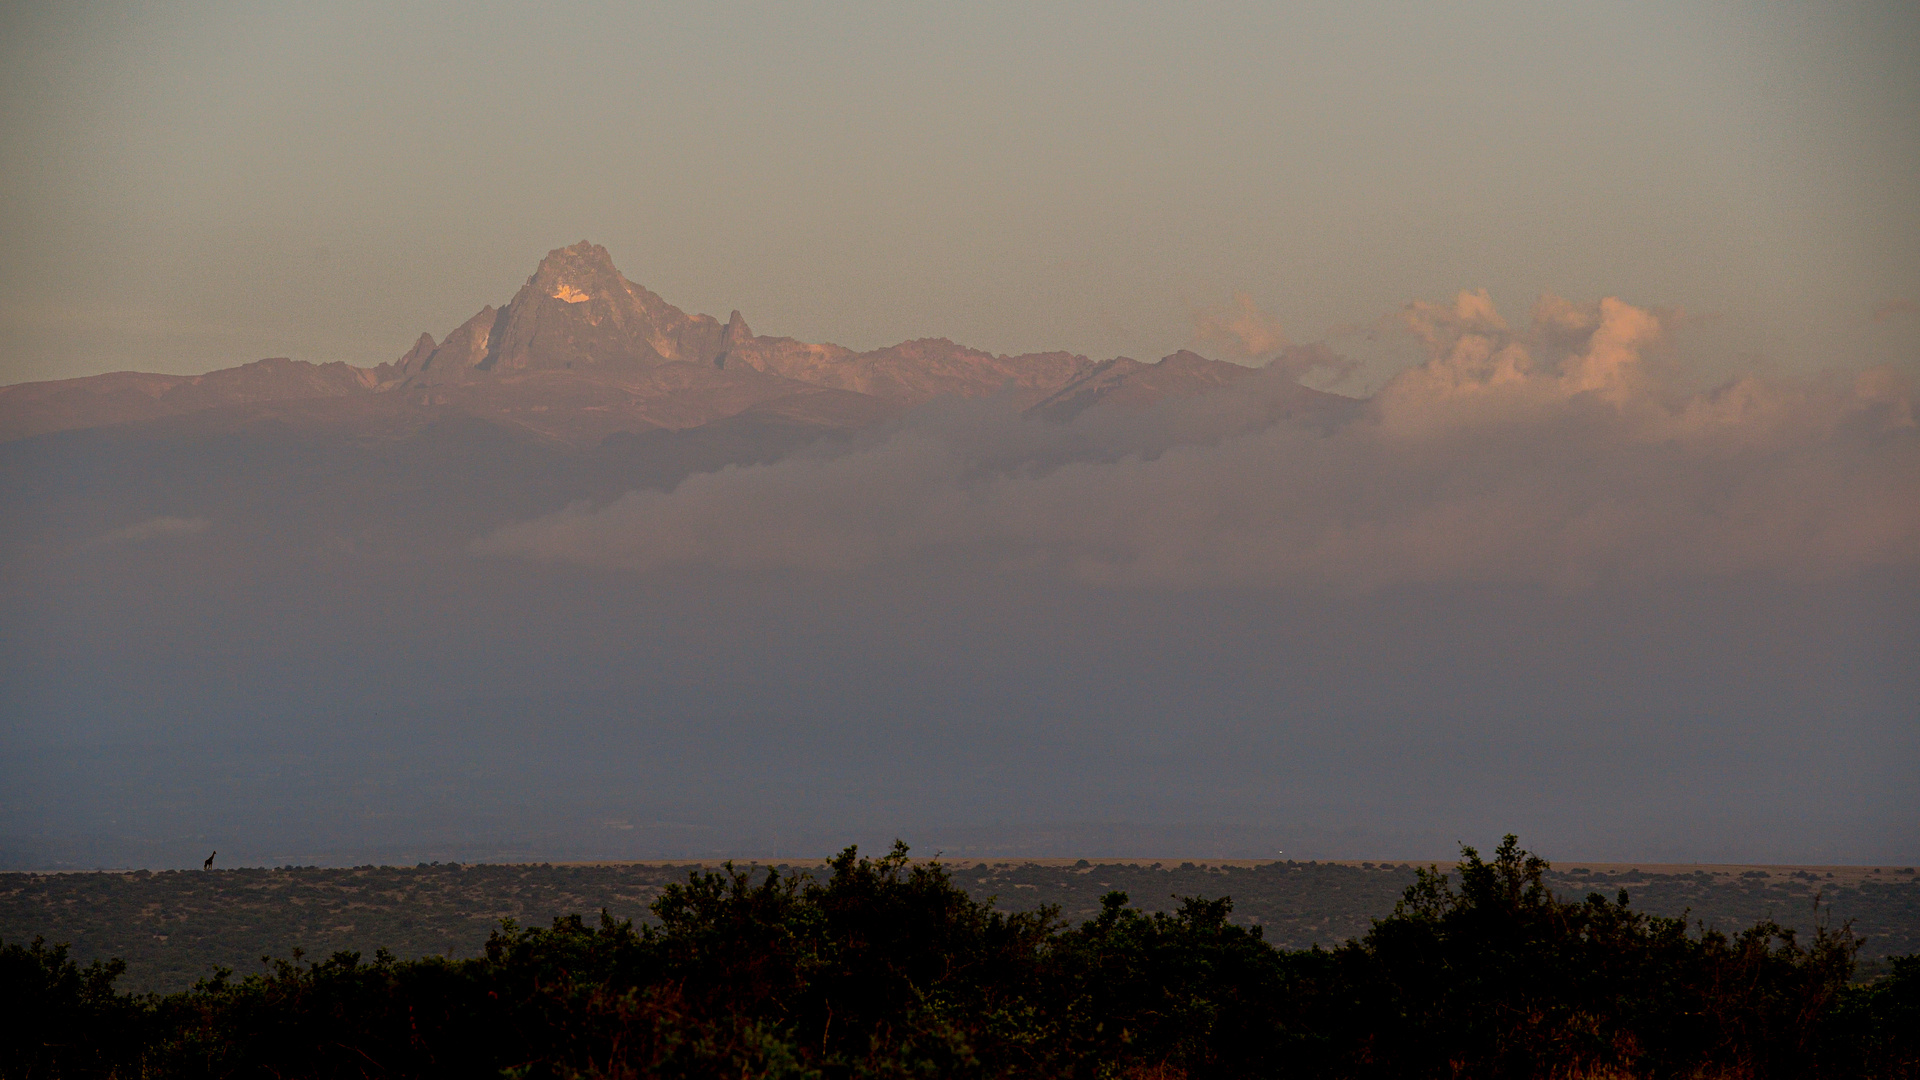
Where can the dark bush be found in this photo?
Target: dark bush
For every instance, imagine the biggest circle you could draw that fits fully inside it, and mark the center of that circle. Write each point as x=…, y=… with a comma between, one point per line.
x=886, y=969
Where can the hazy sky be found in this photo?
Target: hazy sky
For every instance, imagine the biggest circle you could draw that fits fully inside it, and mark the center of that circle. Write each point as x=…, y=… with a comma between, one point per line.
x=194, y=186
x=1561, y=574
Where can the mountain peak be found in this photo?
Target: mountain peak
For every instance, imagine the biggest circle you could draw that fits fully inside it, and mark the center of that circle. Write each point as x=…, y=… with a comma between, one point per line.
x=577, y=274
x=578, y=312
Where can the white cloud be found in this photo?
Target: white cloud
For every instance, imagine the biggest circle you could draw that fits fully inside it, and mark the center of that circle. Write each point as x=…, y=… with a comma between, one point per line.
x=1240, y=329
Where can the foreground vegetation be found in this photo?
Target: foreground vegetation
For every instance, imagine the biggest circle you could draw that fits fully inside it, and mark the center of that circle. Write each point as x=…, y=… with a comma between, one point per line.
x=175, y=928
x=889, y=968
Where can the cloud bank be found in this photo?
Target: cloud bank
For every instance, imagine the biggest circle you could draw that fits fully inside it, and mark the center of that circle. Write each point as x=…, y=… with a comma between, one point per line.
x=1240, y=329
x=1550, y=453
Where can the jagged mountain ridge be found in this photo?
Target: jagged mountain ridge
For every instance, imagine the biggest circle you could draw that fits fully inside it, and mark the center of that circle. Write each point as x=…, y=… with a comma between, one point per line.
x=577, y=310
x=580, y=353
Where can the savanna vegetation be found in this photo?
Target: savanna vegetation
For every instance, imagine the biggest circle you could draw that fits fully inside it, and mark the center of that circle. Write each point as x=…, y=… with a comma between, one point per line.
x=883, y=967
x=174, y=928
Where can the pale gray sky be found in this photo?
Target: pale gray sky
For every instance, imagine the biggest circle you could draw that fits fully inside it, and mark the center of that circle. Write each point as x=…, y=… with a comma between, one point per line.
x=194, y=186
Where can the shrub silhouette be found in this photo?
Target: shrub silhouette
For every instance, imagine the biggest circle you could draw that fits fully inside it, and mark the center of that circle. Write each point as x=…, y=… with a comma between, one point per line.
x=884, y=968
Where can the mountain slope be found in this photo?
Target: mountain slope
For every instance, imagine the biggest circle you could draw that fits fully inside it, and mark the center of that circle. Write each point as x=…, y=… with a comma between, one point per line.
x=129, y=396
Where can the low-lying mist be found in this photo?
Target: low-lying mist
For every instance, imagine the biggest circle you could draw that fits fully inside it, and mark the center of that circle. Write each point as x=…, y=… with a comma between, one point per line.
x=1483, y=465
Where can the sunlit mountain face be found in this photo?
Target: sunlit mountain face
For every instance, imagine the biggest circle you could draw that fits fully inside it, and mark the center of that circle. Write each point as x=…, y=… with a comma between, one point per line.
x=592, y=577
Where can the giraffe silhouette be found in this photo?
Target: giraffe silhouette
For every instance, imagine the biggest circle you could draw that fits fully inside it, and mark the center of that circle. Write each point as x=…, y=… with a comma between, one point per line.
x=208, y=865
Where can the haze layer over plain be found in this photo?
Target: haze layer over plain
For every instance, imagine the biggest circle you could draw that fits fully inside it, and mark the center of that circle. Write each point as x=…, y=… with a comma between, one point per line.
x=191, y=188
x=1529, y=585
